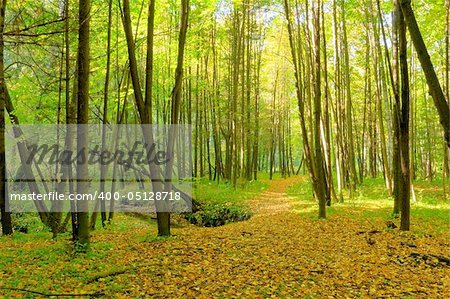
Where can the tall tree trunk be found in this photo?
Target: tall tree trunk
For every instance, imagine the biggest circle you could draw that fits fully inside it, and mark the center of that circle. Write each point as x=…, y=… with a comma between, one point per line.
x=348, y=107
x=300, y=99
x=103, y=166
x=248, y=150
x=396, y=108
x=319, y=162
x=144, y=116
x=55, y=215
x=432, y=80
x=5, y=215
x=404, y=128
x=257, y=100
x=82, y=119
x=339, y=151
x=380, y=79
x=164, y=217
x=149, y=61
x=71, y=120
x=327, y=140
x=273, y=129
x=446, y=164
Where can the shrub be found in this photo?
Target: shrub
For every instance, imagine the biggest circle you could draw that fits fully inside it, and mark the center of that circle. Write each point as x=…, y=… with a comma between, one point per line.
x=217, y=215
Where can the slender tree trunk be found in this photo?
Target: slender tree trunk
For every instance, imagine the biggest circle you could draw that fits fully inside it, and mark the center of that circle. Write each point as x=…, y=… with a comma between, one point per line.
x=66, y=168
x=257, y=100
x=116, y=136
x=248, y=150
x=71, y=119
x=273, y=129
x=82, y=119
x=55, y=215
x=404, y=128
x=144, y=116
x=348, y=107
x=396, y=108
x=149, y=61
x=367, y=96
x=327, y=140
x=300, y=100
x=339, y=153
x=5, y=215
x=197, y=119
x=446, y=164
x=319, y=163
x=164, y=217
x=103, y=167
x=380, y=78
x=432, y=80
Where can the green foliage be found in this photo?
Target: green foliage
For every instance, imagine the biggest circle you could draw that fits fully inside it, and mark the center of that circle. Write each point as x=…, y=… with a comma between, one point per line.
x=301, y=190
x=217, y=215
x=221, y=203
x=81, y=247
x=207, y=191
x=372, y=203
x=27, y=222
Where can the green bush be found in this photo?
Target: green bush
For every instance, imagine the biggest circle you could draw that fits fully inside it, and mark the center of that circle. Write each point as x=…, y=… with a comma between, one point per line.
x=217, y=215
x=21, y=222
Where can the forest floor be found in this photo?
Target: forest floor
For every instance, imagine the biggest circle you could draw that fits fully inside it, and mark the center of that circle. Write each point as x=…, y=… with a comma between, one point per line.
x=282, y=252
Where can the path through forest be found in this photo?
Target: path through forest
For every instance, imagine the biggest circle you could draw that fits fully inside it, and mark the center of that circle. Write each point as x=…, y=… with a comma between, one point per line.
x=282, y=252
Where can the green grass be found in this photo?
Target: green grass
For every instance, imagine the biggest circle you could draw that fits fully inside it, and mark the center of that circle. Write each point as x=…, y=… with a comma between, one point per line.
x=222, y=203
x=209, y=192
x=34, y=261
x=430, y=213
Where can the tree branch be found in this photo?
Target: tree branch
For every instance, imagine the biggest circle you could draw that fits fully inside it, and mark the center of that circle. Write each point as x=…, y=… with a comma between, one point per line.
x=53, y=295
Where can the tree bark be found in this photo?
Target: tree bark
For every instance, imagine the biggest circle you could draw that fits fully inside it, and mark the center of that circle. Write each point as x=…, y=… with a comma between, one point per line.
x=103, y=167
x=319, y=161
x=396, y=116
x=313, y=152
x=5, y=215
x=164, y=217
x=149, y=61
x=432, y=80
x=331, y=193
x=143, y=112
x=404, y=128
x=348, y=108
x=83, y=119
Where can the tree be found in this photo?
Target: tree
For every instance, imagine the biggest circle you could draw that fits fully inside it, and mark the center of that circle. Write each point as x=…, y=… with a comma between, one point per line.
x=164, y=218
x=381, y=93
x=403, y=112
x=396, y=108
x=103, y=167
x=231, y=78
x=83, y=60
x=313, y=150
x=320, y=190
x=432, y=80
x=331, y=193
x=144, y=113
x=143, y=107
x=348, y=106
x=5, y=215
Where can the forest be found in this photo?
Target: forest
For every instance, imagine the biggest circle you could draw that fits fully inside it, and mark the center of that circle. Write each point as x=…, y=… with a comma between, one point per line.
x=225, y=148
